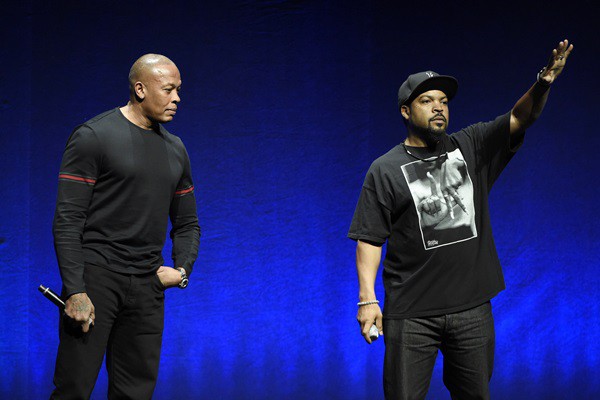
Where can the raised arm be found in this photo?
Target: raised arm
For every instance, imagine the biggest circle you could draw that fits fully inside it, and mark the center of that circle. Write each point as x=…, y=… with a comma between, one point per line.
x=367, y=264
x=530, y=106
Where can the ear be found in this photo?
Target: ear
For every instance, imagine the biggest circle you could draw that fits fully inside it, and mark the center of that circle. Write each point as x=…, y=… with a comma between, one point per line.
x=405, y=111
x=140, y=90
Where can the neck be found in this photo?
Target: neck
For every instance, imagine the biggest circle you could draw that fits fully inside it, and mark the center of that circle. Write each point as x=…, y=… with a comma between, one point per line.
x=135, y=115
x=438, y=147
x=415, y=141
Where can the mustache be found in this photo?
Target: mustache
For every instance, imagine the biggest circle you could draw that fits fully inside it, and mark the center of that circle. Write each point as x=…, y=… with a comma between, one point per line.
x=438, y=116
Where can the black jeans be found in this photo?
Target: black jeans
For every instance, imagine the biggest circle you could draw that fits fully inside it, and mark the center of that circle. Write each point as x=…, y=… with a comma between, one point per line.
x=466, y=340
x=128, y=328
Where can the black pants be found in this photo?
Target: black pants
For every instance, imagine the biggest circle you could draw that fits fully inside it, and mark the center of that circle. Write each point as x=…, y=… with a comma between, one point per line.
x=466, y=340
x=128, y=328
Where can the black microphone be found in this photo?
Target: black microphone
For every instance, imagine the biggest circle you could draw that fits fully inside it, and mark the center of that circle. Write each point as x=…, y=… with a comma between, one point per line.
x=53, y=297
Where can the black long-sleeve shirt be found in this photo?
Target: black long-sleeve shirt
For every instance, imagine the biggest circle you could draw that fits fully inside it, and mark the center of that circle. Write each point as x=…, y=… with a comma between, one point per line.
x=118, y=184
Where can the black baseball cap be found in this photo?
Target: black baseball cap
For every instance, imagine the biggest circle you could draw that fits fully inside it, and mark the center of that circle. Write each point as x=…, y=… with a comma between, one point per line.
x=422, y=82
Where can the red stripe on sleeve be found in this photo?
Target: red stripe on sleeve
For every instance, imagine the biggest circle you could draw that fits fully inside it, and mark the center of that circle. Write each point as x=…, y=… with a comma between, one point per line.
x=77, y=178
x=184, y=191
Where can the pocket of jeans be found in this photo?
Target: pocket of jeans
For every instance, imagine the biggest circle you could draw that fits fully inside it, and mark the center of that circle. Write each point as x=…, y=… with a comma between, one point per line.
x=158, y=282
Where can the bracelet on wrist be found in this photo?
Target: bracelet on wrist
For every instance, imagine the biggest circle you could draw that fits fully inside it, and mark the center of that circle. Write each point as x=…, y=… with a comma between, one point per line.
x=366, y=303
x=540, y=80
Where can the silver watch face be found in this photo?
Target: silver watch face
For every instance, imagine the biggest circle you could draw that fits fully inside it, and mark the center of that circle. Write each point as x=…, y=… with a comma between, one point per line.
x=184, y=282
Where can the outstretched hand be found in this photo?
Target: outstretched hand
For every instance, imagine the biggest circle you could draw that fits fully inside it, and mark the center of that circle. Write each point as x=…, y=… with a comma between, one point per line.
x=557, y=62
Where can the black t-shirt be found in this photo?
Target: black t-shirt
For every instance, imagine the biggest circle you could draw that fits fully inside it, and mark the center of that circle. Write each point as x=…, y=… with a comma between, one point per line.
x=434, y=214
x=118, y=186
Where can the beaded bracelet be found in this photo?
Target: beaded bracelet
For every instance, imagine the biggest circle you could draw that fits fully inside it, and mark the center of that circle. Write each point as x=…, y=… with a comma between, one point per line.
x=366, y=303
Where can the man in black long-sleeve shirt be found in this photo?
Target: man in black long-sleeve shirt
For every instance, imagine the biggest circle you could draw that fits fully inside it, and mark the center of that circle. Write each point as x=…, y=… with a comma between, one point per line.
x=121, y=177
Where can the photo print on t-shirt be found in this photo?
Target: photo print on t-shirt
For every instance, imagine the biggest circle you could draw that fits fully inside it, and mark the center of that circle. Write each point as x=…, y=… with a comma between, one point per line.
x=442, y=193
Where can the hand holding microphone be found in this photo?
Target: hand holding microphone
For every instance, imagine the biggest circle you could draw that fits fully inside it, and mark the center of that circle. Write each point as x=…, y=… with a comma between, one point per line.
x=78, y=307
x=370, y=319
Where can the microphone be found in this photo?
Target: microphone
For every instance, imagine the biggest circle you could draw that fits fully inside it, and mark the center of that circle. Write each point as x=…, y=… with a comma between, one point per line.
x=53, y=297
x=373, y=332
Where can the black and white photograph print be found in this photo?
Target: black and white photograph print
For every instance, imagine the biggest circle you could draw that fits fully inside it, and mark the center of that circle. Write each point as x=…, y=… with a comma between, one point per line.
x=442, y=192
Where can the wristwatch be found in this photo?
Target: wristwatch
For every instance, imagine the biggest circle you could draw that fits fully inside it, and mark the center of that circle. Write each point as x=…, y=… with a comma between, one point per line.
x=184, y=279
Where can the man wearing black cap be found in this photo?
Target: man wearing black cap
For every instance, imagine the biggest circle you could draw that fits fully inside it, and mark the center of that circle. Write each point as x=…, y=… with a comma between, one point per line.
x=428, y=198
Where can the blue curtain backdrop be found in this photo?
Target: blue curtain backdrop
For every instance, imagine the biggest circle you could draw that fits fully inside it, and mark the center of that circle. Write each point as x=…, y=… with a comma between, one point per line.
x=284, y=106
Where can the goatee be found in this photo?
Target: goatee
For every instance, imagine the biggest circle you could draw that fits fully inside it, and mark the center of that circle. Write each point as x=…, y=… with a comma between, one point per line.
x=429, y=135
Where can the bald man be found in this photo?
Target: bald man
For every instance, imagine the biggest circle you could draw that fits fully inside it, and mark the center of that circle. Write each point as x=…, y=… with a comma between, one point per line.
x=122, y=176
